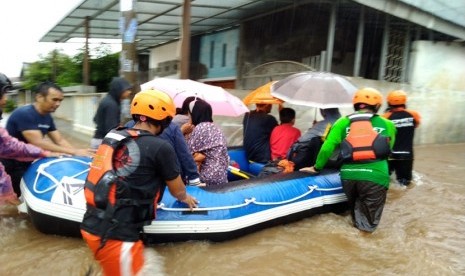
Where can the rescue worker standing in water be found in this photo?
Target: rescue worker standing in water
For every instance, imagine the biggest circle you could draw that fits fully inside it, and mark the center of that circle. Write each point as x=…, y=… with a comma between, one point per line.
x=405, y=120
x=365, y=140
x=127, y=178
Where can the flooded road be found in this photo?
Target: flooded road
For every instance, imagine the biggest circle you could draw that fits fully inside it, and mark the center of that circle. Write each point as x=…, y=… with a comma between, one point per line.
x=421, y=233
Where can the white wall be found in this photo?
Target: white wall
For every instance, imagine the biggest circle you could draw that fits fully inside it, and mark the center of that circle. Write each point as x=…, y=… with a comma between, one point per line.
x=438, y=65
x=79, y=110
x=163, y=53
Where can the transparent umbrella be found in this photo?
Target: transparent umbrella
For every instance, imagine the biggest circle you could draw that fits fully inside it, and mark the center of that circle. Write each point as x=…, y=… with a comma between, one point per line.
x=315, y=89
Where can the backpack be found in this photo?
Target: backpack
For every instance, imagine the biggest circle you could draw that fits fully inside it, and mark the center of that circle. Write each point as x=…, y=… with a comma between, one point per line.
x=363, y=143
x=276, y=167
x=304, y=153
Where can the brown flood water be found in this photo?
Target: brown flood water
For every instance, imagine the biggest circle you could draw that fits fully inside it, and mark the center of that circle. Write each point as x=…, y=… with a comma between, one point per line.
x=421, y=233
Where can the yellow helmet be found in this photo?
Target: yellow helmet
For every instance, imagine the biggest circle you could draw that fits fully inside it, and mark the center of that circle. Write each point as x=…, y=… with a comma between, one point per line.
x=368, y=96
x=397, y=97
x=153, y=104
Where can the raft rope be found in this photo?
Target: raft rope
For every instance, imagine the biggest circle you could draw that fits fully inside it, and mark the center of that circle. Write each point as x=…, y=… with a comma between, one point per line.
x=41, y=171
x=248, y=201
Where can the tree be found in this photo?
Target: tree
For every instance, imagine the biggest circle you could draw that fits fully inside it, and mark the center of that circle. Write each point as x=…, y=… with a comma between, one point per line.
x=67, y=71
x=103, y=67
x=55, y=66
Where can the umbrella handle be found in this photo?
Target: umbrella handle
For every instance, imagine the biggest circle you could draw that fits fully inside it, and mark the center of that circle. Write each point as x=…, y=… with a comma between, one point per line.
x=314, y=118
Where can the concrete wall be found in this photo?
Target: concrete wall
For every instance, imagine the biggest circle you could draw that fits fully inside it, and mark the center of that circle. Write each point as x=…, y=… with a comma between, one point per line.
x=79, y=109
x=442, y=110
x=438, y=65
x=442, y=113
x=164, y=53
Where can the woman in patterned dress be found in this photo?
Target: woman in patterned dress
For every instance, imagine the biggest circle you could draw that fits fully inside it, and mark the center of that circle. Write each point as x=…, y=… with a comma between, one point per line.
x=207, y=144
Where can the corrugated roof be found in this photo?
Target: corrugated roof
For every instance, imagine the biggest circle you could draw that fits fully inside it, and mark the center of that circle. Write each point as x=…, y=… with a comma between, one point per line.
x=160, y=21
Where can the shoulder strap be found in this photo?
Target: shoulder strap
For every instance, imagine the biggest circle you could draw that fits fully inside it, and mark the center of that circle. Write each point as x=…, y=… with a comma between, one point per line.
x=325, y=133
x=354, y=117
x=119, y=135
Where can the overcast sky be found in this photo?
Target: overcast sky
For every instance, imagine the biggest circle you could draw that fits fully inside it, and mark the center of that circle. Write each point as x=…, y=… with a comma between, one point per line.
x=22, y=25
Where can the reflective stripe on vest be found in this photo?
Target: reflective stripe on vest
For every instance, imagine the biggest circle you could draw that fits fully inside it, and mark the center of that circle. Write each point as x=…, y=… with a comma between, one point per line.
x=100, y=188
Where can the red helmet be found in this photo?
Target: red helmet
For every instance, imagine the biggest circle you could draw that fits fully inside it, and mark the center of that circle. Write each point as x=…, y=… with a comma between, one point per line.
x=397, y=97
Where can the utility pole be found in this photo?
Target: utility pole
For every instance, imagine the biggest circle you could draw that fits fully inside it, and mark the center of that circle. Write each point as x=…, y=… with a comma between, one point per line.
x=85, y=63
x=128, y=30
x=186, y=39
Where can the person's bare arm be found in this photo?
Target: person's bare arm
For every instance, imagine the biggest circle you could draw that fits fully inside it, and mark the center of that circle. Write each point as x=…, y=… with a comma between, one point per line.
x=35, y=137
x=199, y=158
x=58, y=139
x=178, y=190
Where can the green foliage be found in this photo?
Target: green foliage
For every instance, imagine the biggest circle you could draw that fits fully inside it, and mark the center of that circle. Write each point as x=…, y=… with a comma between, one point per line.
x=55, y=66
x=103, y=70
x=10, y=106
x=67, y=71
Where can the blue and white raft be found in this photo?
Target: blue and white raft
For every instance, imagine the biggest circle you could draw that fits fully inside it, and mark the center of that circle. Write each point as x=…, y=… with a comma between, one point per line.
x=53, y=193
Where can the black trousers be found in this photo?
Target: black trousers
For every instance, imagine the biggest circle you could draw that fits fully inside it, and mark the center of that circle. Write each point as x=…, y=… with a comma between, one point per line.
x=366, y=201
x=403, y=170
x=15, y=169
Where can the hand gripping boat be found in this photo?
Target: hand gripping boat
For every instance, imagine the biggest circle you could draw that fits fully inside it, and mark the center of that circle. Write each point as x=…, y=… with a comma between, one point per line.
x=53, y=192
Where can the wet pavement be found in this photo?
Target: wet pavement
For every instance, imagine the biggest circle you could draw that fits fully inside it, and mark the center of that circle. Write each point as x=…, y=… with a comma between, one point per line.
x=77, y=139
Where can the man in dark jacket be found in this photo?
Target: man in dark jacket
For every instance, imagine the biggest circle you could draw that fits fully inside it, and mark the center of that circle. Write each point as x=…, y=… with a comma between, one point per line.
x=108, y=114
x=257, y=127
x=406, y=121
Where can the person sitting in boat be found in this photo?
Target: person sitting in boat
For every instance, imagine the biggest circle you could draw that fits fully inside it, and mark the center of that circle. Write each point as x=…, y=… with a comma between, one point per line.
x=284, y=135
x=182, y=117
x=126, y=179
x=257, y=127
x=174, y=136
x=207, y=144
x=303, y=152
x=12, y=148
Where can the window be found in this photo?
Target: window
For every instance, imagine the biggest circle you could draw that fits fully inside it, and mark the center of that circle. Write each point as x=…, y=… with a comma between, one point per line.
x=212, y=53
x=223, y=60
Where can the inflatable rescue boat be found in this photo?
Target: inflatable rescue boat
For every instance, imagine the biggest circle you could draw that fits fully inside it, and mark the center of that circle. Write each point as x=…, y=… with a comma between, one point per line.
x=53, y=196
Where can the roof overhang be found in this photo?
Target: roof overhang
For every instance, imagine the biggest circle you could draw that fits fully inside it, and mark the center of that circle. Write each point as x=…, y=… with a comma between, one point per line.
x=160, y=21
x=442, y=19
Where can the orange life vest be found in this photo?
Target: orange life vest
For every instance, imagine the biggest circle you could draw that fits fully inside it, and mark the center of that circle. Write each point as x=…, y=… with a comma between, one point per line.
x=363, y=143
x=106, y=190
x=101, y=182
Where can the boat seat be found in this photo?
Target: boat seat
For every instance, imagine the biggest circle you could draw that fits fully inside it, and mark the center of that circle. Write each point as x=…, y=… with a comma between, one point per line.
x=244, y=168
x=238, y=159
x=255, y=168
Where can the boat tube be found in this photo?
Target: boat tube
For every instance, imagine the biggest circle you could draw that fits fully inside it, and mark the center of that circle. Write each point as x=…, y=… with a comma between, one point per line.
x=53, y=196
